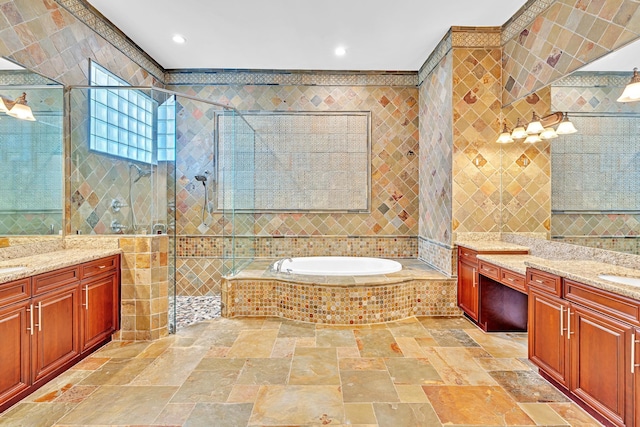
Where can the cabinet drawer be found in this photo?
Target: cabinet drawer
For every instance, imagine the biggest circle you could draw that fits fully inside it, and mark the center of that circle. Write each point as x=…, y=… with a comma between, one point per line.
x=513, y=280
x=544, y=281
x=54, y=279
x=489, y=270
x=467, y=255
x=98, y=266
x=608, y=303
x=15, y=291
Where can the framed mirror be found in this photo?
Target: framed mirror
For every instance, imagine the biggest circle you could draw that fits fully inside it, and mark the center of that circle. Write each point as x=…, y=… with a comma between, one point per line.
x=31, y=154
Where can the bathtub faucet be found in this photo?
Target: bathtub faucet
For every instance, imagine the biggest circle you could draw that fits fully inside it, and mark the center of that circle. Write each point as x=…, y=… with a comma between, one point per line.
x=279, y=264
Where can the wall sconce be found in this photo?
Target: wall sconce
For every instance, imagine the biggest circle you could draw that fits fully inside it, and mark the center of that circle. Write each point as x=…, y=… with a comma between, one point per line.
x=566, y=127
x=632, y=90
x=17, y=108
x=539, y=129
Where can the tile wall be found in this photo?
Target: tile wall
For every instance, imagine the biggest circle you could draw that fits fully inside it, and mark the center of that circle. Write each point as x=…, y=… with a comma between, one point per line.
x=563, y=38
x=436, y=153
x=526, y=171
x=394, y=163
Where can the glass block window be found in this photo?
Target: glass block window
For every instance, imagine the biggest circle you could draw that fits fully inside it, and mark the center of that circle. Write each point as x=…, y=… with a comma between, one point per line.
x=167, y=130
x=121, y=121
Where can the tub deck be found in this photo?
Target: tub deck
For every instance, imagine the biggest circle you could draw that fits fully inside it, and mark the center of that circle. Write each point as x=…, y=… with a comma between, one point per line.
x=416, y=290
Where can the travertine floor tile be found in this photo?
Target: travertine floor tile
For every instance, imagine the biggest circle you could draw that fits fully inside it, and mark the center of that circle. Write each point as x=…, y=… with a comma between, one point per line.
x=298, y=405
x=269, y=372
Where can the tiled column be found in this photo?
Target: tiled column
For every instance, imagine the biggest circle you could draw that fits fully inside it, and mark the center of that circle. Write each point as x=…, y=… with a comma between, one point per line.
x=144, y=287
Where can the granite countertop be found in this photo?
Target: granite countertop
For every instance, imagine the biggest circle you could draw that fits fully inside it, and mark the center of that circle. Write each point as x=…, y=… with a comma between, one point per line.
x=515, y=263
x=587, y=272
x=490, y=245
x=49, y=261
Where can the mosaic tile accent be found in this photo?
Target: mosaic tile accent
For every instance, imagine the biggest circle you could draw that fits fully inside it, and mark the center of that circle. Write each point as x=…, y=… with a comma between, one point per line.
x=270, y=247
x=94, y=20
x=526, y=171
x=293, y=162
x=394, y=159
x=22, y=78
x=380, y=300
x=280, y=77
x=608, y=146
x=484, y=37
x=561, y=39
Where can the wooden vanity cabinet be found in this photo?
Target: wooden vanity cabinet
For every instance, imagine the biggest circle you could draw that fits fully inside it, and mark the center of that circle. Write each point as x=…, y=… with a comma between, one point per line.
x=581, y=340
x=468, y=279
x=100, y=301
x=468, y=282
x=14, y=350
x=548, y=348
x=46, y=325
x=55, y=331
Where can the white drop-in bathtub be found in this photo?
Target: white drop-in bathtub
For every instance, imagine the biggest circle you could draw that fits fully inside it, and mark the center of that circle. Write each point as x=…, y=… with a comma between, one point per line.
x=337, y=266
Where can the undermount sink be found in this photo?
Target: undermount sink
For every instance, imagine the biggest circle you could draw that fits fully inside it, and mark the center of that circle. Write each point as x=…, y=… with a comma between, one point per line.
x=624, y=280
x=13, y=269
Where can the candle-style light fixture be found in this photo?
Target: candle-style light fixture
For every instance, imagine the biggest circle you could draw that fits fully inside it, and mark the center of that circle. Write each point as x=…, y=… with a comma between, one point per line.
x=17, y=108
x=631, y=92
x=539, y=129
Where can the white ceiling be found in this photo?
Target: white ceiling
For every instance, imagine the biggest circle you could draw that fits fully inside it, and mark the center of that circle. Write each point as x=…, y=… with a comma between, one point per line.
x=394, y=35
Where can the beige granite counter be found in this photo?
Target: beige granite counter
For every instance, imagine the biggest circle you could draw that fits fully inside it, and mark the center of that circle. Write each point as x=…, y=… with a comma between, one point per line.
x=587, y=272
x=490, y=245
x=515, y=263
x=49, y=261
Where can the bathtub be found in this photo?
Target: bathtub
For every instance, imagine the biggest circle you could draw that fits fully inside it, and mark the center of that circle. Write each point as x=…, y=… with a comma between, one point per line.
x=337, y=266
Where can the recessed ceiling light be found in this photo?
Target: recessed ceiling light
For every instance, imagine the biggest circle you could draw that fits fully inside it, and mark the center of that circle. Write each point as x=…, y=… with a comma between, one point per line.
x=340, y=51
x=179, y=39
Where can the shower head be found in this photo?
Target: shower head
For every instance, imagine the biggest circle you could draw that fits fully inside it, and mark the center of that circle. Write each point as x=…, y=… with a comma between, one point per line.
x=202, y=179
x=141, y=172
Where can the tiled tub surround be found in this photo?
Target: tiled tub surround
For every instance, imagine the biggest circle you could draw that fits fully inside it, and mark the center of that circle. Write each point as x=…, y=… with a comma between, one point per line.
x=199, y=263
x=417, y=290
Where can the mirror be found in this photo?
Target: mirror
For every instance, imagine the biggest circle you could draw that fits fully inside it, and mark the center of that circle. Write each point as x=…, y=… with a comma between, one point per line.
x=594, y=182
x=31, y=154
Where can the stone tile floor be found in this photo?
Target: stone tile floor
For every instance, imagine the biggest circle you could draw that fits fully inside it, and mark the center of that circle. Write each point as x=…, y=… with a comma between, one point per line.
x=271, y=372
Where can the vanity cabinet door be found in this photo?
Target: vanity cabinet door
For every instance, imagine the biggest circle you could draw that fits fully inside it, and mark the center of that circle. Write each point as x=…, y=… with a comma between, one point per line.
x=14, y=349
x=600, y=365
x=548, y=347
x=99, y=310
x=56, y=331
x=468, y=289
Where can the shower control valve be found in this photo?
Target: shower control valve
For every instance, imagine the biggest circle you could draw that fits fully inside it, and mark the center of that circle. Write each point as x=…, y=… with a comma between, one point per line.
x=116, y=205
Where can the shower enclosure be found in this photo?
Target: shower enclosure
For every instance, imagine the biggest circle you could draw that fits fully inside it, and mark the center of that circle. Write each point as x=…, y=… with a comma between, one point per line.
x=148, y=161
